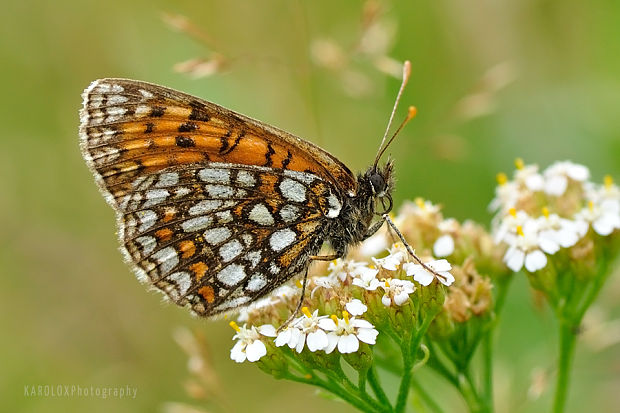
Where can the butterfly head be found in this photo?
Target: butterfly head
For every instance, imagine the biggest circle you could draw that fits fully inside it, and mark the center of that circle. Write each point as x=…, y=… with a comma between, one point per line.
x=380, y=181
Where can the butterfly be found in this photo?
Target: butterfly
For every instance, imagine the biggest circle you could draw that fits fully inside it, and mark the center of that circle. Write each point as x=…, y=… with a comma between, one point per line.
x=216, y=209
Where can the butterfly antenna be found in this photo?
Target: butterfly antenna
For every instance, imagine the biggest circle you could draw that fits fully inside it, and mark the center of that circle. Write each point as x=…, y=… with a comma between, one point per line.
x=406, y=75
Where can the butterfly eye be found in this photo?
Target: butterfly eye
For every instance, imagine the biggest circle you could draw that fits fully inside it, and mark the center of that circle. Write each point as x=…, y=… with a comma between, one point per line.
x=378, y=184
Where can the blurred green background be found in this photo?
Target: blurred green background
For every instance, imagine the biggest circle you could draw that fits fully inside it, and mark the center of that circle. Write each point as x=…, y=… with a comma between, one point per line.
x=493, y=80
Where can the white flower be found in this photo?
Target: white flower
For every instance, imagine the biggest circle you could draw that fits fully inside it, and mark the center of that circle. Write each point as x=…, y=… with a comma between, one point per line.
x=396, y=291
x=556, y=230
x=304, y=330
x=346, y=333
x=341, y=268
x=443, y=246
x=557, y=175
x=425, y=277
x=527, y=248
x=528, y=176
x=506, y=194
x=250, y=346
x=356, y=307
x=374, y=245
x=397, y=255
x=366, y=278
x=604, y=217
x=508, y=226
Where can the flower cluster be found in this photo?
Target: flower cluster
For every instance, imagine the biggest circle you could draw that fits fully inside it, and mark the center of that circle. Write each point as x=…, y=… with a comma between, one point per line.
x=540, y=213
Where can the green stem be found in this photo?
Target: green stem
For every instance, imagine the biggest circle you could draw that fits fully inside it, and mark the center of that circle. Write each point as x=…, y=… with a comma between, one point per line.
x=410, y=349
x=567, y=350
x=373, y=380
x=468, y=391
x=487, y=385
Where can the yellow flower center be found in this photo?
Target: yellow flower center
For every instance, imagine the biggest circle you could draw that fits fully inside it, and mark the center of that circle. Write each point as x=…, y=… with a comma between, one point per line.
x=306, y=312
x=333, y=317
x=298, y=284
x=519, y=163
x=501, y=178
x=545, y=212
x=608, y=181
x=420, y=203
x=591, y=206
x=520, y=230
x=234, y=326
x=345, y=315
x=513, y=212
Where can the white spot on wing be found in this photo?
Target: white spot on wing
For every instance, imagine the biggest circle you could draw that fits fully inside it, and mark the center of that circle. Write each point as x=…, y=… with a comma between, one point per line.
x=232, y=303
x=216, y=236
x=214, y=175
x=289, y=213
x=261, y=215
x=306, y=178
x=117, y=99
x=282, y=239
x=231, y=275
x=167, y=179
x=244, y=178
x=257, y=281
x=147, y=219
x=146, y=93
x=196, y=224
x=142, y=110
x=155, y=196
x=167, y=259
x=334, y=206
x=231, y=250
x=224, y=217
x=293, y=190
x=219, y=191
x=253, y=257
x=147, y=243
x=205, y=206
x=182, y=280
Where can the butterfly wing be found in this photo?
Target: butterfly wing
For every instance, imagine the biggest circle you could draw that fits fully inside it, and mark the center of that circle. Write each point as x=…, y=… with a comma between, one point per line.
x=129, y=128
x=214, y=209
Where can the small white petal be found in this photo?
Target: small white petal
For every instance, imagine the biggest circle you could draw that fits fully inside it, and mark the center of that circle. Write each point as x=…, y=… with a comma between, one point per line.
x=360, y=323
x=556, y=185
x=514, y=259
x=236, y=353
x=444, y=246
x=386, y=301
x=423, y=277
x=368, y=335
x=547, y=245
x=604, y=225
x=332, y=342
x=300, y=343
x=446, y=278
x=440, y=265
x=348, y=344
x=327, y=324
x=267, y=330
x=255, y=350
x=317, y=340
x=401, y=298
x=356, y=307
x=535, y=260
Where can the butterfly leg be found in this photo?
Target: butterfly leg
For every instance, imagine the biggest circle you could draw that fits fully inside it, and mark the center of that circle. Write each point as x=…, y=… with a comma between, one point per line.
x=387, y=219
x=303, y=288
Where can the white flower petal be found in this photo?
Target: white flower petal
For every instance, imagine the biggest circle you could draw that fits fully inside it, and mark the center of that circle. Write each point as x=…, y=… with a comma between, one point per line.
x=603, y=226
x=556, y=185
x=332, y=342
x=300, y=343
x=547, y=245
x=317, y=340
x=255, y=350
x=283, y=338
x=444, y=246
x=267, y=330
x=327, y=324
x=535, y=260
x=356, y=307
x=439, y=265
x=237, y=354
x=348, y=344
x=514, y=259
x=447, y=279
x=423, y=277
x=360, y=323
x=386, y=300
x=368, y=335
x=401, y=298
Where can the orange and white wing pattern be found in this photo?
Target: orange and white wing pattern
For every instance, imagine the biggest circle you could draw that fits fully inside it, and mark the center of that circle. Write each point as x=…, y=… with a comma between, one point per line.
x=214, y=209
